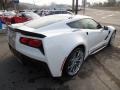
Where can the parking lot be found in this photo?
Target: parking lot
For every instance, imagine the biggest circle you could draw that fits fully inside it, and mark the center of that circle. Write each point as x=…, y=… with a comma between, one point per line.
x=99, y=72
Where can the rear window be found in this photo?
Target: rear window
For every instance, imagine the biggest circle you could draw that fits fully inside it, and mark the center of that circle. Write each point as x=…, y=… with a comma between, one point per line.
x=43, y=21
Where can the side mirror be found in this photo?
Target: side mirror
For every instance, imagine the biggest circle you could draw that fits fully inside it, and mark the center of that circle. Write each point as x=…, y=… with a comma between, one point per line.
x=105, y=28
x=99, y=26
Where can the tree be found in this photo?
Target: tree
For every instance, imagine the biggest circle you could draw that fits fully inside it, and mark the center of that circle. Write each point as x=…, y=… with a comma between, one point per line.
x=112, y=2
x=1, y=4
x=4, y=4
x=73, y=6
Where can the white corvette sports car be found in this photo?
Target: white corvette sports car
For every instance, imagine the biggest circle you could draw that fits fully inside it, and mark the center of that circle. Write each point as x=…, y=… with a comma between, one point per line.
x=62, y=42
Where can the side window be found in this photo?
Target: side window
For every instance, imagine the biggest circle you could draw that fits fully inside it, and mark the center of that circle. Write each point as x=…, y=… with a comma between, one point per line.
x=74, y=24
x=89, y=24
x=85, y=24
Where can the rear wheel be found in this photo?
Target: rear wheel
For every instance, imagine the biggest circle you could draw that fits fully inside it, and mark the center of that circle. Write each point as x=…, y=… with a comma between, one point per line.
x=73, y=63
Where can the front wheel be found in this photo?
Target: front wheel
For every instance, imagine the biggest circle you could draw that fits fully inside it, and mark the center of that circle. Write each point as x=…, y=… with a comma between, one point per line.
x=73, y=62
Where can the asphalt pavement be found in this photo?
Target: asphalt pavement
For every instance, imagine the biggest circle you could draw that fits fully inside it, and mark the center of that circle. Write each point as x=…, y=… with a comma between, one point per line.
x=104, y=16
x=99, y=72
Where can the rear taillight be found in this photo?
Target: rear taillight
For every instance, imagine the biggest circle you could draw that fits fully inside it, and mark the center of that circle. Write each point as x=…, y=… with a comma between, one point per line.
x=31, y=42
x=24, y=40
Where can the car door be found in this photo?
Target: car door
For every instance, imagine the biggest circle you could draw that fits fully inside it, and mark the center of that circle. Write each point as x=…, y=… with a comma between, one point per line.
x=95, y=33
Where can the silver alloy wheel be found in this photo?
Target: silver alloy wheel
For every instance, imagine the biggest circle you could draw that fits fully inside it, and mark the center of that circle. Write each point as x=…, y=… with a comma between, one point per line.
x=75, y=62
x=112, y=39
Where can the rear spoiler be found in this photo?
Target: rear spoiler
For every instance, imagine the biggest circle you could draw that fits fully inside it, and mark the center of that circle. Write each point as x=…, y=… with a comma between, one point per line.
x=27, y=33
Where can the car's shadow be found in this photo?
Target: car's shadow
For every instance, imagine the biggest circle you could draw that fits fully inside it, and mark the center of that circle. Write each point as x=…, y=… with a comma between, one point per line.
x=34, y=76
x=15, y=76
x=107, y=53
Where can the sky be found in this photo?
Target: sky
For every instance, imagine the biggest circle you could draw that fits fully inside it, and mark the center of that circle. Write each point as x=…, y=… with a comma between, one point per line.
x=48, y=2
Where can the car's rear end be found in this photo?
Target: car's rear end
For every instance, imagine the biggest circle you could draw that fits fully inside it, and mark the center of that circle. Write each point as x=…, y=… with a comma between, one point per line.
x=36, y=40
x=28, y=43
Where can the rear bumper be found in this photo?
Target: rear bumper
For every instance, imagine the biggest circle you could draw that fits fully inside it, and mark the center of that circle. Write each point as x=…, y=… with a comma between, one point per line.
x=34, y=61
x=26, y=58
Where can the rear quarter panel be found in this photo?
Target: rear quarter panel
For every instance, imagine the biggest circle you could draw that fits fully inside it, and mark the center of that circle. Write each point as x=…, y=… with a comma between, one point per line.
x=57, y=49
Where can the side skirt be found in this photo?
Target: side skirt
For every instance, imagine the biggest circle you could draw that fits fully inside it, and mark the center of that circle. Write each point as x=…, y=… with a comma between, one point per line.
x=98, y=49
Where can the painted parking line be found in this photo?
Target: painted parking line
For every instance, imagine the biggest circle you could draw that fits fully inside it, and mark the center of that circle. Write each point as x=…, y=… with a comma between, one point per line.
x=117, y=12
x=107, y=16
x=110, y=15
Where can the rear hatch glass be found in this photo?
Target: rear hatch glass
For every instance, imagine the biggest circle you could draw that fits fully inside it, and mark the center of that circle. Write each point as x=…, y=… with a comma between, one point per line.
x=43, y=21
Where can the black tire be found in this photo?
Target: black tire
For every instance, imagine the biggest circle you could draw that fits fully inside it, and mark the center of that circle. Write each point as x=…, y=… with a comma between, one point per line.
x=112, y=36
x=69, y=62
